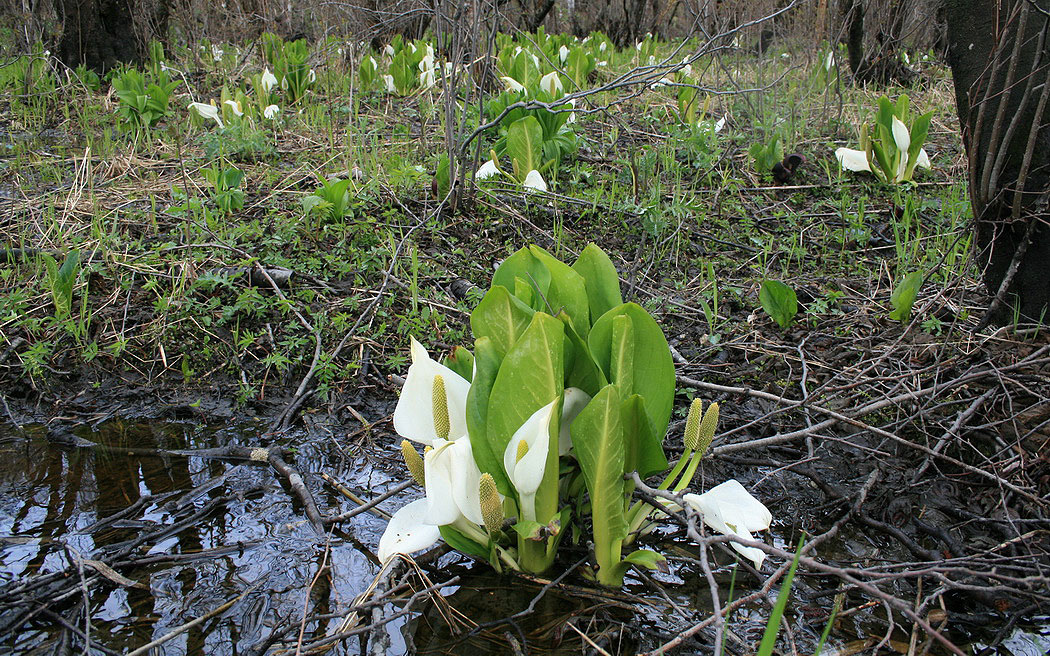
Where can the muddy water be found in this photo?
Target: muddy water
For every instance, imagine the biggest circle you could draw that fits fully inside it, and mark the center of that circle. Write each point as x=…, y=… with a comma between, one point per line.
x=55, y=486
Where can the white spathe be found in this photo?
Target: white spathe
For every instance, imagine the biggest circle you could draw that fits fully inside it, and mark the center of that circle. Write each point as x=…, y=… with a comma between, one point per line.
x=563, y=54
x=731, y=510
x=268, y=80
x=901, y=137
x=414, y=414
x=207, y=111
x=575, y=401
x=526, y=473
x=551, y=83
x=512, y=84
x=852, y=159
x=487, y=170
x=234, y=106
x=534, y=181
x=408, y=531
x=452, y=480
x=388, y=80
x=271, y=112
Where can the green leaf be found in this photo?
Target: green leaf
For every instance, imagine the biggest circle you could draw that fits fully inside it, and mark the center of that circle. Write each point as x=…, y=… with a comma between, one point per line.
x=487, y=359
x=529, y=530
x=779, y=302
x=461, y=361
x=529, y=378
x=597, y=436
x=621, y=355
x=919, y=129
x=501, y=317
x=646, y=558
x=769, y=636
x=567, y=291
x=903, y=297
x=462, y=543
x=643, y=449
x=580, y=368
x=600, y=279
x=653, y=377
x=525, y=145
x=531, y=271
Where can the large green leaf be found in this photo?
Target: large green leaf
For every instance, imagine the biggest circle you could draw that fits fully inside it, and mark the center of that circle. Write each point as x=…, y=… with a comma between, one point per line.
x=597, y=436
x=621, y=355
x=779, y=301
x=525, y=146
x=502, y=317
x=567, y=291
x=600, y=279
x=524, y=270
x=487, y=359
x=643, y=449
x=530, y=377
x=580, y=368
x=653, y=375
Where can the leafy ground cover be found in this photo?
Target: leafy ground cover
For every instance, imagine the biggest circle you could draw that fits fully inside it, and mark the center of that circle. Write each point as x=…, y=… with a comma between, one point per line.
x=272, y=264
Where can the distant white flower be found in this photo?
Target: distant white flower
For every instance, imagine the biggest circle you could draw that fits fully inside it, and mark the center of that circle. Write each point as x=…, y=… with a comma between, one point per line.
x=602, y=46
x=311, y=76
x=217, y=53
x=563, y=54
x=207, y=111
x=487, y=170
x=234, y=106
x=829, y=61
x=389, y=50
x=388, y=80
x=268, y=80
x=663, y=82
x=551, y=83
x=271, y=111
x=512, y=84
x=534, y=181
x=427, y=78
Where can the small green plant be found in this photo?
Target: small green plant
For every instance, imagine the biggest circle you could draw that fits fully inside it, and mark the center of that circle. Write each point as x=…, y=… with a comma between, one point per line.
x=142, y=105
x=767, y=155
x=891, y=149
x=779, y=302
x=226, y=190
x=290, y=62
x=904, y=295
x=240, y=142
x=61, y=281
x=331, y=200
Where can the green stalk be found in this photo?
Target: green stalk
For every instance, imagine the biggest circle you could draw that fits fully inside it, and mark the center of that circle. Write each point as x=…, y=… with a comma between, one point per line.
x=676, y=470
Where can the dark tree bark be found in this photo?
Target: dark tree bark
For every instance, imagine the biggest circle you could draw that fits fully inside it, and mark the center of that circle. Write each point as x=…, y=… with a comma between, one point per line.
x=999, y=53
x=99, y=34
x=881, y=63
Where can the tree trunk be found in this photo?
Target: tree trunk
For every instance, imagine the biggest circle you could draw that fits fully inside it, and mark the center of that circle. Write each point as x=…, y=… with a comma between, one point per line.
x=99, y=34
x=1000, y=61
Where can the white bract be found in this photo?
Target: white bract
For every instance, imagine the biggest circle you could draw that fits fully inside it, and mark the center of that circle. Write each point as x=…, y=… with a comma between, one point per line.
x=575, y=401
x=731, y=510
x=271, y=112
x=414, y=414
x=207, y=111
x=534, y=181
x=268, y=80
x=487, y=170
x=563, y=54
x=388, y=80
x=551, y=83
x=407, y=531
x=234, y=106
x=525, y=458
x=512, y=84
x=452, y=482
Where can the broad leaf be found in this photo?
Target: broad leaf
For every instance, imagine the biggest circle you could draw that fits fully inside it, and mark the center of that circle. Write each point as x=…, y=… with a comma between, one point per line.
x=486, y=365
x=601, y=280
x=653, y=373
x=903, y=297
x=525, y=146
x=580, y=368
x=597, y=436
x=502, y=317
x=567, y=291
x=643, y=449
x=779, y=302
x=523, y=269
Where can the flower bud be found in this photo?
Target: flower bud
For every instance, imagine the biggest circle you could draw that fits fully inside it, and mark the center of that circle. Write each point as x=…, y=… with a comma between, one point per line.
x=491, y=504
x=692, y=425
x=440, y=408
x=413, y=461
x=707, y=428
